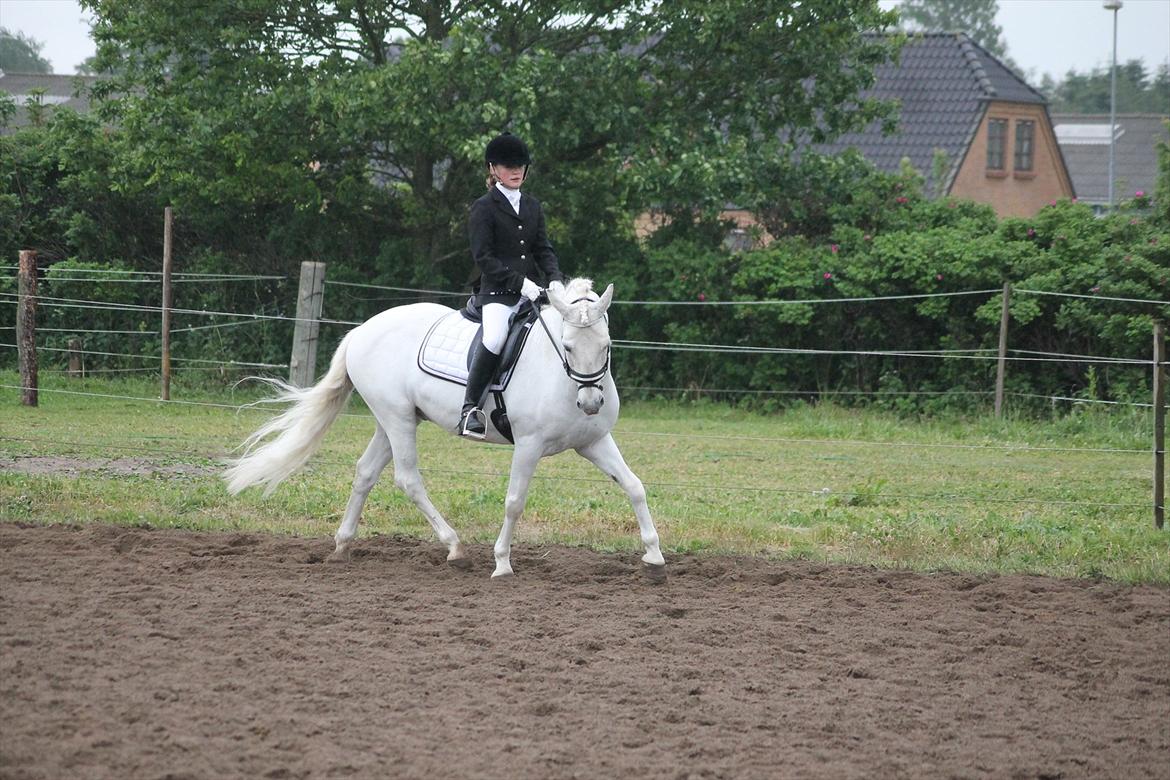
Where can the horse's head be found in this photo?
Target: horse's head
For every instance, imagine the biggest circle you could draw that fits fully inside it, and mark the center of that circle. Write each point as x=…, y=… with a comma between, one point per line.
x=584, y=339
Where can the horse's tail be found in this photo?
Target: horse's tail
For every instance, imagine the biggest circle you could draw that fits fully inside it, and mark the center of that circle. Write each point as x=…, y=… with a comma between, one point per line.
x=300, y=429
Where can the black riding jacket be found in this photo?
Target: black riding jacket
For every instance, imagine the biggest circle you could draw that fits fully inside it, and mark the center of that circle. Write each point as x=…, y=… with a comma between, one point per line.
x=508, y=247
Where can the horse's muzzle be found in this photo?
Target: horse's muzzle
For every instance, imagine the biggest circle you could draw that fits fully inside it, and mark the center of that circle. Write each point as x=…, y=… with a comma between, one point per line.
x=590, y=400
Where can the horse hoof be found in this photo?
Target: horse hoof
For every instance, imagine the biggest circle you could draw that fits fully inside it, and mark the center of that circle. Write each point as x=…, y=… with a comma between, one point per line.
x=462, y=564
x=338, y=556
x=654, y=572
x=503, y=576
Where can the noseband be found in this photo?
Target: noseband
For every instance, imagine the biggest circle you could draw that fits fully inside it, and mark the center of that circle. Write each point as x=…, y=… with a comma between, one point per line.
x=583, y=380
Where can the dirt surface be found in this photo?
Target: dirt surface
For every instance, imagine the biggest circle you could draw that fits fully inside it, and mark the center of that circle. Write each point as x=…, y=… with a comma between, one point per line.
x=67, y=466
x=130, y=653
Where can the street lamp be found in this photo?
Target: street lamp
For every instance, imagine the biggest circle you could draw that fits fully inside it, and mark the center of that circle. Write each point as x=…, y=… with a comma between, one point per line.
x=1114, y=6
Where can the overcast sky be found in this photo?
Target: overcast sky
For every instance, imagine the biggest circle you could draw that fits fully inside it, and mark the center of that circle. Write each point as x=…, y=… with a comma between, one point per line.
x=1043, y=36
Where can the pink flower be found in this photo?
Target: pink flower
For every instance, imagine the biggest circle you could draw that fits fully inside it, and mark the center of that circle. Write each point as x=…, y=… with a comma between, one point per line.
x=902, y=199
x=938, y=277
x=833, y=248
x=1051, y=203
x=868, y=237
x=828, y=275
x=1133, y=221
x=1153, y=241
x=1031, y=232
x=702, y=297
x=950, y=204
x=1074, y=200
x=1095, y=289
x=1139, y=194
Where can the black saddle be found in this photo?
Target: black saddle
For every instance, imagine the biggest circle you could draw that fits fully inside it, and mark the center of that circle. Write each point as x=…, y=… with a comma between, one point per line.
x=519, y=326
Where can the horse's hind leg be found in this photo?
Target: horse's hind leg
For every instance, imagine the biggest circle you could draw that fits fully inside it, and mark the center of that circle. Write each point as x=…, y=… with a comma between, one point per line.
x=403, y=438
x=369, y=467
x=604, y=454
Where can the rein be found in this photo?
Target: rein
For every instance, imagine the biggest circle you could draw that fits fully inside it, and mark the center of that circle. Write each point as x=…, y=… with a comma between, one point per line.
x=583, y=380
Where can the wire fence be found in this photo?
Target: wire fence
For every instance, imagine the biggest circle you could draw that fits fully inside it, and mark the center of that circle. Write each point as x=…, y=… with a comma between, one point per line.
x=237, y=319
x=986, y=354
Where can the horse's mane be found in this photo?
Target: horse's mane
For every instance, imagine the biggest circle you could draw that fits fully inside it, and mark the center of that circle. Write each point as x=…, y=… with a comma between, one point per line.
x=580, y=295
x=578, y=288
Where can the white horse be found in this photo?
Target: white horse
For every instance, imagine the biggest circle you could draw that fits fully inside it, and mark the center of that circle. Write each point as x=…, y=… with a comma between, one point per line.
x=557, y=400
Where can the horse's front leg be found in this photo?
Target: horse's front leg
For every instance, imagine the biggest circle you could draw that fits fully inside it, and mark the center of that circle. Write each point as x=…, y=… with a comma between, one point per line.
x=604, y=454
x=524, y=460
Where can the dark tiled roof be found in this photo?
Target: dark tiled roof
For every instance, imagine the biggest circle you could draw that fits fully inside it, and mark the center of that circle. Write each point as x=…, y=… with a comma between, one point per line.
x=1135, y=156
x=59, y=90
x=943, y=82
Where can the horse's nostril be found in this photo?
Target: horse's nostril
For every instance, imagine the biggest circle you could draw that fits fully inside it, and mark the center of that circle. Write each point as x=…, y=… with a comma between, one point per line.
x=601, y=402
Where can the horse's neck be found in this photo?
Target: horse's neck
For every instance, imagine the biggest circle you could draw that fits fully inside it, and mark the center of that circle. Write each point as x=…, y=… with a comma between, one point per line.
x=548, y=336
x=544, y=346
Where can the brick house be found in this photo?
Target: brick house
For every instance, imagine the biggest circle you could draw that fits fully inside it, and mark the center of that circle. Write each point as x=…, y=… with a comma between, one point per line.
x=969, y=124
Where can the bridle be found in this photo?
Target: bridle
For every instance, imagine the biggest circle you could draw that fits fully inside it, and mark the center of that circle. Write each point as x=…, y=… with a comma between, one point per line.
x=592, y=379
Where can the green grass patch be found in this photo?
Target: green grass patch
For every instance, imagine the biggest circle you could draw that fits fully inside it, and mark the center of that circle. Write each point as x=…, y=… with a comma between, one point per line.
x=1052, y=496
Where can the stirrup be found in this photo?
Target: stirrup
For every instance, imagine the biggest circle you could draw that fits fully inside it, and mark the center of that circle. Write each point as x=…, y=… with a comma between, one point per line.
x=473, y=417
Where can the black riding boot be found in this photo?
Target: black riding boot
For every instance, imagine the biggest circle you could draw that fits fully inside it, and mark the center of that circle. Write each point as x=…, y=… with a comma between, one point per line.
x=479, y=378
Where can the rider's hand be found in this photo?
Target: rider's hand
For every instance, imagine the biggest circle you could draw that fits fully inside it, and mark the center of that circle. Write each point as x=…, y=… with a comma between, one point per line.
x=557, y=287
x=530, y=290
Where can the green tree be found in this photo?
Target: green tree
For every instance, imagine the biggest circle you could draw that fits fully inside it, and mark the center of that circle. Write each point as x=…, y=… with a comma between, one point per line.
x=1089, y=92
x=974, y=17
x=374, y=115
x=20, y=53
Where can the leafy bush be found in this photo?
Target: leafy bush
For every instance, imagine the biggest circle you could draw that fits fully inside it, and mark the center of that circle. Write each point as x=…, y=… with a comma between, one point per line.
x=916, y=247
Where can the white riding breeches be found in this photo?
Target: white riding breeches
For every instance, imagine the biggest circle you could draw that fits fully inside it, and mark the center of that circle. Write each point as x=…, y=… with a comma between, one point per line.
x=495, y=324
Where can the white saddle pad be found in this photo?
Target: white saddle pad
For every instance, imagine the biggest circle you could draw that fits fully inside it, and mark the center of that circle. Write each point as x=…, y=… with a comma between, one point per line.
x=444, y=350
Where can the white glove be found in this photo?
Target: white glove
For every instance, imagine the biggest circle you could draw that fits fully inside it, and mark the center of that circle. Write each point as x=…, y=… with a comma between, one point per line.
x=530, y=290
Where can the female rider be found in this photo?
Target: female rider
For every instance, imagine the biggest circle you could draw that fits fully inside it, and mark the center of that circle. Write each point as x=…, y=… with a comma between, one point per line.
x=510, y=247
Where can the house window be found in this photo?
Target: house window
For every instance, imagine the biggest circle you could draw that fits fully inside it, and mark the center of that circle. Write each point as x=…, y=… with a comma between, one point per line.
x=996, y=140
x=1025, y=135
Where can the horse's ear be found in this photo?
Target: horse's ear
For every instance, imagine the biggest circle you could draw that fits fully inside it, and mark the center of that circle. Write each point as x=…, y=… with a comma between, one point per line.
x=605, y=300
x=557, y=299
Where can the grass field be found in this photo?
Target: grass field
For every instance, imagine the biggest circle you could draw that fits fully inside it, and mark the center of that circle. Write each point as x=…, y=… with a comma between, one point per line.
x=818, y=482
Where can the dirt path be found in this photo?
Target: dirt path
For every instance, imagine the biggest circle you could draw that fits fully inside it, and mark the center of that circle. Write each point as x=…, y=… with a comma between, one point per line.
x=128, y=653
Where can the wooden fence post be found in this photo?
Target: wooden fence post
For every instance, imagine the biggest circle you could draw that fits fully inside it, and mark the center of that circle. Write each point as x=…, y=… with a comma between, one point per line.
x=1001, y=368
x=166, y=306
x=1159, y=424
x=26, y=326
x=76, y=361
x=310, y=298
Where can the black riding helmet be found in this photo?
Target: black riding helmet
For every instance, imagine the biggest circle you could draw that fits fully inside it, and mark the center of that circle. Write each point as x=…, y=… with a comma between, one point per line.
x=507, y=149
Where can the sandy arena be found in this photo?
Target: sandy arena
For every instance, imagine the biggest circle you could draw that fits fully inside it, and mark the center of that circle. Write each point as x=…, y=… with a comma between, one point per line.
x=131, y=653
